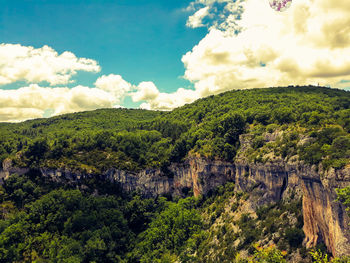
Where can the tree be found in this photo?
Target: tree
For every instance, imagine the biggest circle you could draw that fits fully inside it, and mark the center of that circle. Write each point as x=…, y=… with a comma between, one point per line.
x=37, y=151
x=344, y=197
x=268, y=254
x=294, y=236
x=168, y=232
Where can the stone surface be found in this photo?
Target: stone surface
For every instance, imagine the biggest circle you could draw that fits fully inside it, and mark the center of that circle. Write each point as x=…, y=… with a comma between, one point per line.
x=8, y=169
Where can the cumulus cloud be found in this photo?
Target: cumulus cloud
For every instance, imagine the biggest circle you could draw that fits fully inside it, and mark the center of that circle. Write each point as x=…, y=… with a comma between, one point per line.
x=249, y=45
x=219, y=14
x=145, y=91
x=114, y=84
x=35, y=65
x=195, y=20
x=307, y=44
x=155, y=100
x=11, y=114
x=32, y=101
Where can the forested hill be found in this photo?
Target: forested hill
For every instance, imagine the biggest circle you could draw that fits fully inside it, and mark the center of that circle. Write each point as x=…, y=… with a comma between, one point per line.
x=133, y=139
x=94, y=220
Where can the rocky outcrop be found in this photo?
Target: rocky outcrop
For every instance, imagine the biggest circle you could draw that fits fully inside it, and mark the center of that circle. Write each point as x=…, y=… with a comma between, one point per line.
x=196, y=174
x=324, y=218
x=8, y=169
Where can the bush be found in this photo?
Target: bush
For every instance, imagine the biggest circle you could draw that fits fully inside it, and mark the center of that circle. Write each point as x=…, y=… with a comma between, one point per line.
x=294, y=236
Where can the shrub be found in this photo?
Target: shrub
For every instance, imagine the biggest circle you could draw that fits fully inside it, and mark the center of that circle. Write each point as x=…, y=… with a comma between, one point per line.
x=294, y=236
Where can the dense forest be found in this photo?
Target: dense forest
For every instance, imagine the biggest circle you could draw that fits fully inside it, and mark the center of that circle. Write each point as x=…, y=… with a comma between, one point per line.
x=46, y=221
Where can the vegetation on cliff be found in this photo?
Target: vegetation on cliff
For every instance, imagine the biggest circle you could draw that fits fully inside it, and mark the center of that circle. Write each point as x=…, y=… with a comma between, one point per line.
x=344, y=197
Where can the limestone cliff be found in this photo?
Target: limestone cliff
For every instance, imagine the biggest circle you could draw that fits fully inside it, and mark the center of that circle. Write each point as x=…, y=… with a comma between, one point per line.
x=324, y=218
x=197, y=174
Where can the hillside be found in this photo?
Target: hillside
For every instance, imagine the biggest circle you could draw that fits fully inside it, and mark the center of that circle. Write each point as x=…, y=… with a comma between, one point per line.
x=210, y=127
x=243, y=175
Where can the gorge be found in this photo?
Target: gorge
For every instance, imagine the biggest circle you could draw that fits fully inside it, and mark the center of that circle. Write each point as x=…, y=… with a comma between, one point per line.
x=325, y=218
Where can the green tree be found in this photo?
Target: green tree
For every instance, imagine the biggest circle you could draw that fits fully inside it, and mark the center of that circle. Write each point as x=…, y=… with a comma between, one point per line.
x=168, y=232
x=344, y=197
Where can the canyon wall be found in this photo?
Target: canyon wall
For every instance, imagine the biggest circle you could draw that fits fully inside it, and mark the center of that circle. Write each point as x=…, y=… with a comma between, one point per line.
x=325, y=218
x=196, y=174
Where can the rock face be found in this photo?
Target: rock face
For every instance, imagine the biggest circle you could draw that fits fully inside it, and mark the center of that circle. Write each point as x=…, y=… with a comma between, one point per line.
x=8, y=169
x=196, y=174
x=325, y=219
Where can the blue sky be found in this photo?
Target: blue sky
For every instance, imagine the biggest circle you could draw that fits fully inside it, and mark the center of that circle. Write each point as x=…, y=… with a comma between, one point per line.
x=140, y=40
x=60, y=57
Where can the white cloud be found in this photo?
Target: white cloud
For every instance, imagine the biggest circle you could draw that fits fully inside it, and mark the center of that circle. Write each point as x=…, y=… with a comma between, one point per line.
x=218, y=14
x=147, y=91
x=25, y=63
x=345, y=84
x=10, y=114
x=196, y=19
x=307, y=44
x=114, y=84
x=32, y=101
x=249, y=45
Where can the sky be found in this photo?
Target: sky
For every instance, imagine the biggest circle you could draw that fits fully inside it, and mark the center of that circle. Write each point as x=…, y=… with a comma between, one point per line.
x=61, y=56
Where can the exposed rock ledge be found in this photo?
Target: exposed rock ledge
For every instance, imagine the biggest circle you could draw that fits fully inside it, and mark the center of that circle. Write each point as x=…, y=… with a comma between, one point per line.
x=324, y=218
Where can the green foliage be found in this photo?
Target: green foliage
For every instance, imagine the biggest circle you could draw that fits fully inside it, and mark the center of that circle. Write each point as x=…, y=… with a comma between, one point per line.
x=344, y=197
x=294, y=236
x=65, y=224
x=258, y=142
x=268, y=255
x=284, y=115
x=319, y=257
x=331, y=146
x=250, y=232
x=51, y=224
x=168, y=232
x=37, y=151
x=42, y=222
